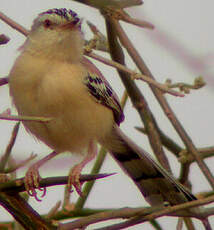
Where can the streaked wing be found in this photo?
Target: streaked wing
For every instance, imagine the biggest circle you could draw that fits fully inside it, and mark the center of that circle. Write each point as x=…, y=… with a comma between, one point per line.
x=101, y=90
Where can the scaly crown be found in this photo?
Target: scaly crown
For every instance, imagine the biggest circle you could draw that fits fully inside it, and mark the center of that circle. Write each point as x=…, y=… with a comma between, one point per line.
x=56, y=33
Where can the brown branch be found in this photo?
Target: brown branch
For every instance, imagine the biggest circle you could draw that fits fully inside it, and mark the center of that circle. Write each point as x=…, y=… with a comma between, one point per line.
x=186, y=157
x=18, y=184
x=13, y=24
x=140, y=215
x=23, y=212
x=174, y=148
x=24, y=118
x=184, y=87
x=113, y=3
x=170, y=144
x=6, y=155
x=133, y=74
x=107, y=215
x=136, y=97
x=120, y=14
x=15, y=166
x=169, y=211
x=162, y=101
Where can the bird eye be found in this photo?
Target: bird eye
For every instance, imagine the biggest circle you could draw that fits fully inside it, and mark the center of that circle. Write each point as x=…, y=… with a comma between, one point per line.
x=47, y=23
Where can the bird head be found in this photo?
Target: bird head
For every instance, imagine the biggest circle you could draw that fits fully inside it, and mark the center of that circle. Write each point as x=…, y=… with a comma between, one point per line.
x=56, y=32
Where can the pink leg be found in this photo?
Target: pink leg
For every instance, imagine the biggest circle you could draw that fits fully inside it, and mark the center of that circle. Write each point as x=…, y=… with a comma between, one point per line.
x=75, y=172
x=32, y=177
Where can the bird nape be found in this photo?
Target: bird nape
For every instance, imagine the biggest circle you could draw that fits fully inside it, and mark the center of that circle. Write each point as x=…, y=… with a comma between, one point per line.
x=61, y=84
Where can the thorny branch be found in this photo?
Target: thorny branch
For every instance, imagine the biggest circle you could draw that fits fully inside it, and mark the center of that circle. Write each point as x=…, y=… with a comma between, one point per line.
x=162, y=101
x=143, y=214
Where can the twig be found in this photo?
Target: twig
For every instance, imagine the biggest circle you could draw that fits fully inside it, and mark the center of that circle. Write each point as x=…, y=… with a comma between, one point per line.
x=189, y=223
x=206, y=224
x=120, y=14
x=184, y=87
x=113, y=3
x=184, y=173
x=170, y=211
x=107, y=215
x=98, y=42
x=13, y=24
x=186, y=157
x=53, y=210
x=170, y=144
x=133, y=74
x=6, y=155
x=20, y=164
x=23, y=212
x=18, y=184
x=142, y=215
x=25, y=118
x=164, y=104
x=137, y=98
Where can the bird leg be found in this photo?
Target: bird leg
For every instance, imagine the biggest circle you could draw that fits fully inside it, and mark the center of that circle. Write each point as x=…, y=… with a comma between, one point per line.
x=32, y=177
x=74, y=174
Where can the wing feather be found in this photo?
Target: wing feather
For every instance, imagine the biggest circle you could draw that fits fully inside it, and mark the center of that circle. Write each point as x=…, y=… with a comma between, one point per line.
x=101, y=90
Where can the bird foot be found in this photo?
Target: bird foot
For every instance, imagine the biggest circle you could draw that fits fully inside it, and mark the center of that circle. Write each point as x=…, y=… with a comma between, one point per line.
x=31, y=181
x=74, y=179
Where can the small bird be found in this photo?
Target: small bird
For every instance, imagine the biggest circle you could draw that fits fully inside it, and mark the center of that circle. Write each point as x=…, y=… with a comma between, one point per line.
x=52, y=78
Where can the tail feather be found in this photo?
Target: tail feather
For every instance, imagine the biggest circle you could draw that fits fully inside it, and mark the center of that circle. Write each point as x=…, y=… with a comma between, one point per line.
x=154, y=182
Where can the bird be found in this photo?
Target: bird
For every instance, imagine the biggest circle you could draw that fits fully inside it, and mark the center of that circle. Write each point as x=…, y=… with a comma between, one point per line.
x=52, y=78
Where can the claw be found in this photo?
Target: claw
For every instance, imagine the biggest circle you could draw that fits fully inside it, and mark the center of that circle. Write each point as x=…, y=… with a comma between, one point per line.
x=74, y=179
x=74, y=175
x=31, y=181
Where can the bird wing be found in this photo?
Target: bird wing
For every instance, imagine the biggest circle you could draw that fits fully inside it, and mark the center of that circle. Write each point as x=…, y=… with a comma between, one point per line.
x=101, y=90
x=154, y=182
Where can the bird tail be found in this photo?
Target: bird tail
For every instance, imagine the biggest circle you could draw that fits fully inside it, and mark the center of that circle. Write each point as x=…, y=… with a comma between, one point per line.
x=154, y=182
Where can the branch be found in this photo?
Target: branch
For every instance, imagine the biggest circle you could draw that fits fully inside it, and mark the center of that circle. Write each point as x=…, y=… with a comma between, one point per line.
x=113, y=3
x=120, y=14
x=6, y=155
x=13, y=24
x=140, y=215
x=186, y=157
x=170, y=144
x=184, y=87
x=164, y=104
x=169, y=211
x=18, y=184
x=134, y=75
x=23, y=212
x=137, y=98
x=24, y=118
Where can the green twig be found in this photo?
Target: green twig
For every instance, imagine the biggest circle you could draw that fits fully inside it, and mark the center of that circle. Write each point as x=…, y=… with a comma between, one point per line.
x=7, y=153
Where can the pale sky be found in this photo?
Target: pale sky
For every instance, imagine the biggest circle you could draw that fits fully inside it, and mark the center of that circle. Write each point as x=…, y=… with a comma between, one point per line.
x=181, y=48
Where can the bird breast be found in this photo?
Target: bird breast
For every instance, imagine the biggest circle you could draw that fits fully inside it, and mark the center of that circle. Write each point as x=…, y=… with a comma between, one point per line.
x=55, y=89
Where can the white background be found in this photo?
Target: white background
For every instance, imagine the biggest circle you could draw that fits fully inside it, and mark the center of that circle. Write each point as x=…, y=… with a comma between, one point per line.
x=181, y=48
